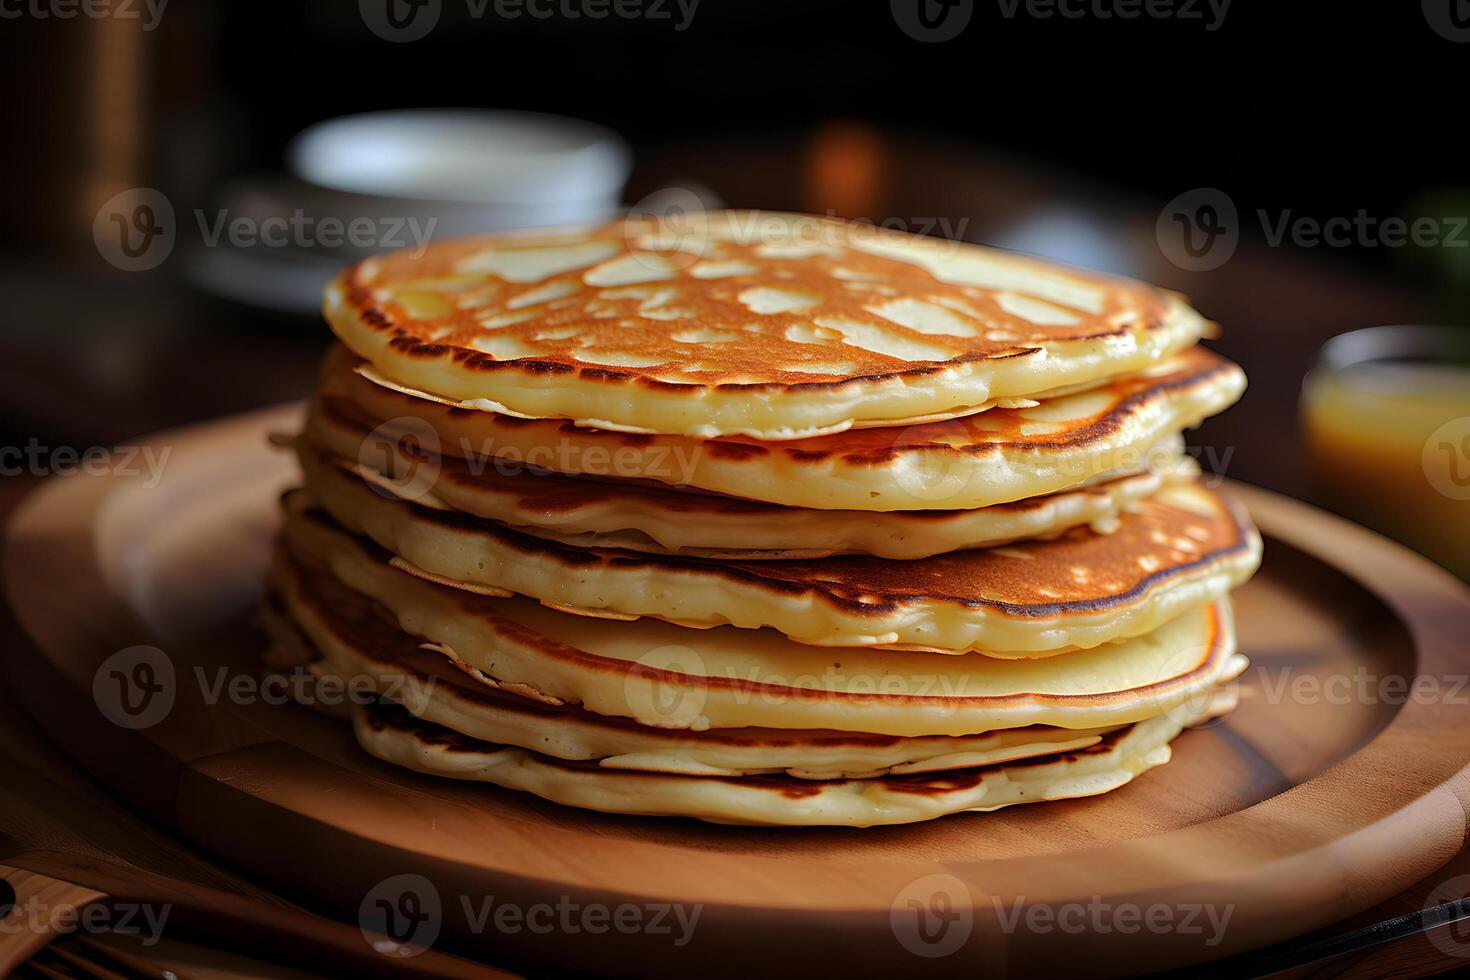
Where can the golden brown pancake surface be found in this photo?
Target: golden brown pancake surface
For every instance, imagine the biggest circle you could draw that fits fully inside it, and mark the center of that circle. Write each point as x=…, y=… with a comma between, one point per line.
x=1183, y=547
x=756, y=323
x=775, y=326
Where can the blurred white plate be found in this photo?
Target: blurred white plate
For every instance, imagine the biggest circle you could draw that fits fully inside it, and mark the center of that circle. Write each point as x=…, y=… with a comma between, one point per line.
x=472, y=170
x=413, y=173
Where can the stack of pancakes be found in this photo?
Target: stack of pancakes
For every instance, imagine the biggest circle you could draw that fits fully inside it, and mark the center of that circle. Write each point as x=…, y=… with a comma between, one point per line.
x=762, y=518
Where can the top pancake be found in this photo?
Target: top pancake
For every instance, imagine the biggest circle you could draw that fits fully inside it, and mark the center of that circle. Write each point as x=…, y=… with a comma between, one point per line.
x=758, y=324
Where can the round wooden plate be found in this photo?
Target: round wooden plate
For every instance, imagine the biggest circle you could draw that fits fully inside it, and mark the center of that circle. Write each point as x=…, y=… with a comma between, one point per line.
x=1341, y=779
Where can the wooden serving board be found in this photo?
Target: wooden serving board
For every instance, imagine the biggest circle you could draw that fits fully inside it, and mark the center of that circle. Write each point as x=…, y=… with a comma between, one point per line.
x=1330, y=789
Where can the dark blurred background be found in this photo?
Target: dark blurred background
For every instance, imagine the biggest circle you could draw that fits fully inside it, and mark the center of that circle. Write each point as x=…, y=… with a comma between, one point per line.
x=1064, y=135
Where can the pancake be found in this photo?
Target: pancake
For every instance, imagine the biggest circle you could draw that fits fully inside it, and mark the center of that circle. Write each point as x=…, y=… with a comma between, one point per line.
x=357, y=648
x=1182, y=548
x=642, y=517
x=767, y=325
x=996, y=457
x=394, y=735
x=668, y=676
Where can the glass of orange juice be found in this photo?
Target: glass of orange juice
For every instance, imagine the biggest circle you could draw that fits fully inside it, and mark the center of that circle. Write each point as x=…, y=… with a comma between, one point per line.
x=1386, y=418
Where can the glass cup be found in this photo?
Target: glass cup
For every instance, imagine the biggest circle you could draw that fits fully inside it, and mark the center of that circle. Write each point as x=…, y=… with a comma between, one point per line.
x=1386, y=421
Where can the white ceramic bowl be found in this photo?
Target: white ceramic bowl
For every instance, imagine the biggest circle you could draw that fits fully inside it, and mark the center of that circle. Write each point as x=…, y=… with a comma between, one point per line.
x=469, y=169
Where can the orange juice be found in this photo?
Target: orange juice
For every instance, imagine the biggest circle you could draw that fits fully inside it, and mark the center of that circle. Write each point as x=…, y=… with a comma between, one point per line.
x=1388, y=444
